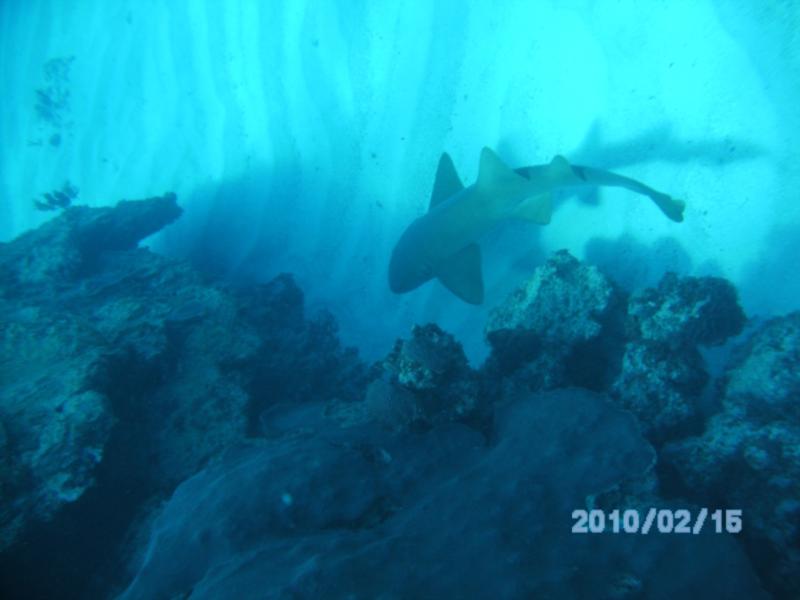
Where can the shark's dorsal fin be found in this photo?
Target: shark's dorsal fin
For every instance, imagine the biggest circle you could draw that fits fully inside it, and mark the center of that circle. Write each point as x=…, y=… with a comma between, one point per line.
x=492, y=169
x=447, y=181
x=461, y=274
x=561, y=167
x=497, y=180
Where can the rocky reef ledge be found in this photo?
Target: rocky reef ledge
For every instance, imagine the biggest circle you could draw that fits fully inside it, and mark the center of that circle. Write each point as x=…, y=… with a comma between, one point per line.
x=123, y=372
x=163, y=435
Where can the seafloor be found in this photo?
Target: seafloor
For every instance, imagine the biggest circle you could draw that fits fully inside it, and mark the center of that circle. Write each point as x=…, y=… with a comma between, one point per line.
x=166, y=435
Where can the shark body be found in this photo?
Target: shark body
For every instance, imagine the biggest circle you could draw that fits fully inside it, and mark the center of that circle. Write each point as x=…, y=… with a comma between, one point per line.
x=442, y=244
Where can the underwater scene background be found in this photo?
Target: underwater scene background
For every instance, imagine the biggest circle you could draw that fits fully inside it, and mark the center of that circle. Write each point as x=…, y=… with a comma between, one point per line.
x=209, y=390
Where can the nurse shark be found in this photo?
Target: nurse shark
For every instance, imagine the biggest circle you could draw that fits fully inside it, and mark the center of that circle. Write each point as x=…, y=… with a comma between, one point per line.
x=442, y=244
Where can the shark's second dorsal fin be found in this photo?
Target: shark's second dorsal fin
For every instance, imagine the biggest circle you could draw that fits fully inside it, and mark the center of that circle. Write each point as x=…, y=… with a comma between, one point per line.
x=447, y=181
x=461, y=274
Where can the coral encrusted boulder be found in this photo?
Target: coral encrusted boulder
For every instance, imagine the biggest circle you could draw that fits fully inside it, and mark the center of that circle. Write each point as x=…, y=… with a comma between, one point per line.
x=55, y=409
x=663, y=375
x=554, y=329
x=748, y=458
x=425, y=380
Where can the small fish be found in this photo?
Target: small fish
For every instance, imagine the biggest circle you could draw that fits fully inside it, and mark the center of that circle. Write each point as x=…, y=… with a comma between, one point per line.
x=50, y=199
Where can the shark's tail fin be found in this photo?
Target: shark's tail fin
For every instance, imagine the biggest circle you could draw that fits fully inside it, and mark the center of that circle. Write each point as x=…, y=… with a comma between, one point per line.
x=672, y=207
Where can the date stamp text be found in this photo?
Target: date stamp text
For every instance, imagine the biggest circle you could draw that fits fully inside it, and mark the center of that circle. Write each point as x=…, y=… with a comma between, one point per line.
x=658, y=520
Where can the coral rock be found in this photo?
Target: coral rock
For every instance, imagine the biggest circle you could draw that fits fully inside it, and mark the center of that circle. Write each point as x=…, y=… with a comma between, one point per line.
x=428, y=381
x=687, y=311
x=749, y=454
x=551, y=325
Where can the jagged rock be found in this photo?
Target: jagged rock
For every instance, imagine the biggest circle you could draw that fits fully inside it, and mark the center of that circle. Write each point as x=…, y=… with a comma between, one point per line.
x=684, y=312
x=427, y=381
x=62, y=328
x=430, y=359
x=300, y=359
x=663, y=375
x=161, y=373
x=100, y=332
x=563, y=302
x=662, y=389
x=56, y=420
x=764, y=383
x=68, y=246
x=749, y=455
x=392, y=406
x=551, y=326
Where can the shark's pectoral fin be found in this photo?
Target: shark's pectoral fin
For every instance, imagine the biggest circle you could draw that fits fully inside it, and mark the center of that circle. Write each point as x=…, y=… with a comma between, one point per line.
x=447, y=181
x=537, y=209
x=494, y=177
x=461, y=274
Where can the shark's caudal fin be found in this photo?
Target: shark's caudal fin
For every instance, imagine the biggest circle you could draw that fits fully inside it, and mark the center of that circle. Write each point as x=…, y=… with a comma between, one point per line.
x=447, y=181
x=461, y=274
x=672, y=207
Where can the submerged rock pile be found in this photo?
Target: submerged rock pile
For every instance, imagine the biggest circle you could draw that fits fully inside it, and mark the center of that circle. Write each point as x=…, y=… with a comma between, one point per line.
x=55, y=351
x=285, y=466
x=663, y=375
x=749, y=454
x=552, y=330
x=570, y=325
x=124, y=372
x=437, y=514
x=426, y=380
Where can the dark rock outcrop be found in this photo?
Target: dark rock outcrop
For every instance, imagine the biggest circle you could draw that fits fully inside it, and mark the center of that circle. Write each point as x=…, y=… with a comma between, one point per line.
x=430, y=515
x=128, y=376
x=570, y=325
x=554, y=329
x=56, y=346
x=49, y=259
x=425, y=380
x=300, y=359
x=124, y=372
x=686, y=312
x=663, y=375
x=661, y=388
x=55, y=419
x=749, y=455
